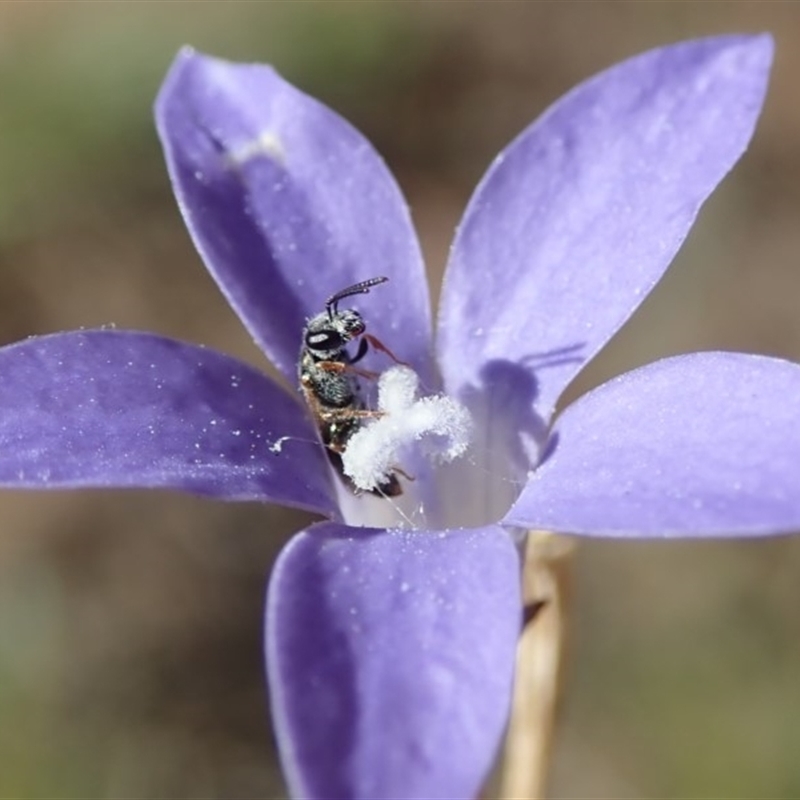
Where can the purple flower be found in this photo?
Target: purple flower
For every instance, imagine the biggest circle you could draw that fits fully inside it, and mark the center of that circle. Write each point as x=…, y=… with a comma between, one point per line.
x=391, y=629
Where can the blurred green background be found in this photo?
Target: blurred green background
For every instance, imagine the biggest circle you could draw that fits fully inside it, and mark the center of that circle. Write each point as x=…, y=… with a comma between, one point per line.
x=130, y=623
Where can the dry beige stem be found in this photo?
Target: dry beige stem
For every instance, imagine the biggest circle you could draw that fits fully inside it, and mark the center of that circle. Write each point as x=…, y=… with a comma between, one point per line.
x=529, y=740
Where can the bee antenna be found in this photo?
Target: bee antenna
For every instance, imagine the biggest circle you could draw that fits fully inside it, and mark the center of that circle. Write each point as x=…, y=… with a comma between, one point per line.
x=332, y=303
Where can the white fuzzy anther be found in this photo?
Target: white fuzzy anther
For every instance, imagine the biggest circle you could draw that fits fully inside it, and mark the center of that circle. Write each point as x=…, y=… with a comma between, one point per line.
x=440, y=424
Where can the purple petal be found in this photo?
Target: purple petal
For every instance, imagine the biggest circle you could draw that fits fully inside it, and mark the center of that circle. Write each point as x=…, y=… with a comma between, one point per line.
x=700, y=445
x=390, y=657
x=118, y=408
x=287, y=204
x=576, y=221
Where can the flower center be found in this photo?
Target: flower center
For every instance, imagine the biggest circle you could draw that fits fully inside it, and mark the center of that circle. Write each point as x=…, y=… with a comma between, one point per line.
x=453, y=472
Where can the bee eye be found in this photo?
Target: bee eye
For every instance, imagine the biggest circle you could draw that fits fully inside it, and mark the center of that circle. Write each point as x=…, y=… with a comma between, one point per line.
x=324, y=340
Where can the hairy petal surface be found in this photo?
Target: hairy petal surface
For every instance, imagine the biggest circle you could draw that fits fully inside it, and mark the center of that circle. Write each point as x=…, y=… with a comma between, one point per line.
x=120, y=408
x=287, y=204
x=390, y=657
x=706, y=444
x=579, y=217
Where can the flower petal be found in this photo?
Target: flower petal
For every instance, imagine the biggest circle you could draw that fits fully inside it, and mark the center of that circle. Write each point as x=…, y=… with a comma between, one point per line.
x=390, y=656
x=579, y=217
x=287, y=204
x=119, y=408
x=706, y=444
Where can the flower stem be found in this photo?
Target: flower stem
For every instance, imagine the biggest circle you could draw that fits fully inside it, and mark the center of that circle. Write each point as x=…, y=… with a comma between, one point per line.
x=545, y=583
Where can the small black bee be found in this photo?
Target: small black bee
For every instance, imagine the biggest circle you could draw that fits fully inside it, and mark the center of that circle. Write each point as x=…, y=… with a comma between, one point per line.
x=330, y=381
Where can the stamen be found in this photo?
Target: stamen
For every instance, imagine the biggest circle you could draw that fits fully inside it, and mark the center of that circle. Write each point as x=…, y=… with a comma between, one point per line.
x=440, y=424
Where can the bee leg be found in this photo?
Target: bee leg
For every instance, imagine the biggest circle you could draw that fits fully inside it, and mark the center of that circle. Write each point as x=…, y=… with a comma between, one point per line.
x=390, y=488
x=366, y=413
x=402, y=472
x=338, y=367
x=379, y=345
x=363, y=347
x=347, y=414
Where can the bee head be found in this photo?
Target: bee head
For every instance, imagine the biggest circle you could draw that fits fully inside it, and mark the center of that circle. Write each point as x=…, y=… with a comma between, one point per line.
x=327, y=334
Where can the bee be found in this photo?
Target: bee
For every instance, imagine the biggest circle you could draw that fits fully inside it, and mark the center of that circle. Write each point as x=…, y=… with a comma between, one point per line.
x=329, y=379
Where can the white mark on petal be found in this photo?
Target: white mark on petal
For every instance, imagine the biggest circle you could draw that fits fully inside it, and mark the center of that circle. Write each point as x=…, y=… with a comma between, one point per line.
x=277, y=446
x=267, y=144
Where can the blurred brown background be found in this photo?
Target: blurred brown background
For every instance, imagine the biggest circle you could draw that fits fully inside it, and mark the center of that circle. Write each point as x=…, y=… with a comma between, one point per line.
x=130, y=622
